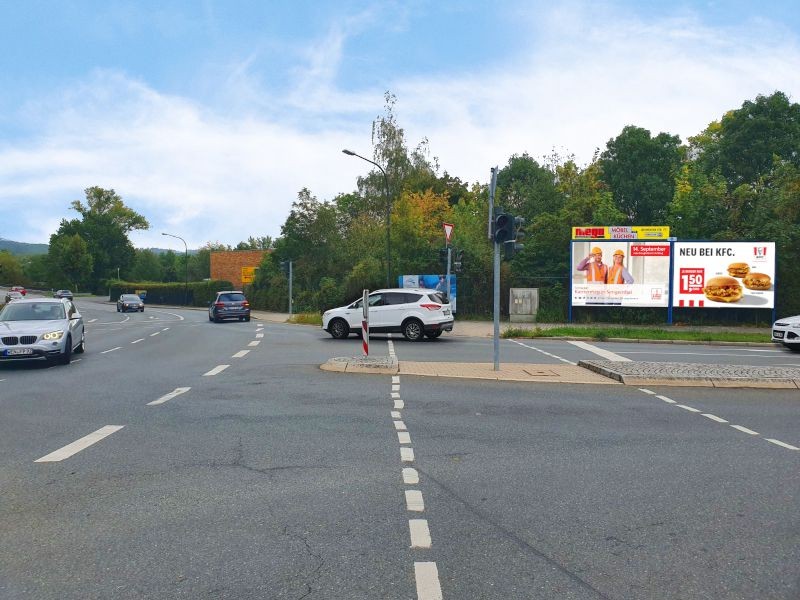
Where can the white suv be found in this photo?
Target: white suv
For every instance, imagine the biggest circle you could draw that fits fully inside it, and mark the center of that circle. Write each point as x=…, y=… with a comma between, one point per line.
x=414, y=312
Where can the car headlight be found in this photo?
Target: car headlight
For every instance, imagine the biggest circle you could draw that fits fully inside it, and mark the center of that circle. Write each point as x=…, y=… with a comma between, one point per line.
x=53, y=335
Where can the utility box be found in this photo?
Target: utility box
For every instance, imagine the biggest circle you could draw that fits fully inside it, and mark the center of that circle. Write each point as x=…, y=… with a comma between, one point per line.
x=523, y=305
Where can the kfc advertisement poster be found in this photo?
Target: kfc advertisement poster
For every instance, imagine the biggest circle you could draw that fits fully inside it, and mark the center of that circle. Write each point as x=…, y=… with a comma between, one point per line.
x=620, y=273
x=724, y=275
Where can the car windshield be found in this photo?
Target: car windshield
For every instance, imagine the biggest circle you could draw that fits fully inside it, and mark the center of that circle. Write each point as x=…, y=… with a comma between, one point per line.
x=129, y=298
x=33, y=311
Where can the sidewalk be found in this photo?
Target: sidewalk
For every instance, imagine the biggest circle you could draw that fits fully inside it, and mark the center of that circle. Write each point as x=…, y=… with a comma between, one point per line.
x=596, y=372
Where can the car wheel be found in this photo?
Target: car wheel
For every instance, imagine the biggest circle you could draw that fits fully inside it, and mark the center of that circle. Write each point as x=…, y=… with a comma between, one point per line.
x=413, y=330
x=82, y=346
x=66, y=356
x=210, y=318
x=339, y=329
x=434, y=334
x=247, y=319
x=118, y=310
x=141, y=309
x=793, y=347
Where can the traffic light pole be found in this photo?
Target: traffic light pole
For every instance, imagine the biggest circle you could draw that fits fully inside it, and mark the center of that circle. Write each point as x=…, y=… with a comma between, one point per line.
x=492, y=186
x=447, y=278
x=290, y=288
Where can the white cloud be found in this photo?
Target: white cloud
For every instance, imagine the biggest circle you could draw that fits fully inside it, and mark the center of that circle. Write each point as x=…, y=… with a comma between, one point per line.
x=223, y=175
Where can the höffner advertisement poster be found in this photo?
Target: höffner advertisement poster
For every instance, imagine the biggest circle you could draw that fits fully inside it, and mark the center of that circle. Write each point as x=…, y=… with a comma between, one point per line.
x=620, y=273
x=724, y=275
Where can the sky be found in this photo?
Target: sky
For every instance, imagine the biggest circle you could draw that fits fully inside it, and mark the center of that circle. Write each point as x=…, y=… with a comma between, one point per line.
x=208, y=117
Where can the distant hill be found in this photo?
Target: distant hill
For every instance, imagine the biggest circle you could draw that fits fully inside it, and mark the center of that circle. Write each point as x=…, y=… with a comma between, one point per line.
x=21, y=248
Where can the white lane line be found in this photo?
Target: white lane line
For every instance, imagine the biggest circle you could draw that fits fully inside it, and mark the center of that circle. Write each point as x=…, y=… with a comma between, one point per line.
x=165, y=329
x=714, y=418
x=170, y=396
x=646, y=391
x=399, y=404
x=400, y=426
x=689, y=408
x=396, y=414
x=599, y=351
x=2, y=379
x=111, y=350
x=407, y=454
x=240, y=354
x=745, y=429
x=420, y=534
x=394, y=395
x=403, y=437
x=427, y=577
x=410, y=476
x=665, y=399
x=396, y=388
x=80, y=444
x=254, y=343
x=216, y=370
x=154, y=334
x=137, y=341
x=91, y=320
x=414, y=501
x=74, y=360
x=543, y=352
x=395, y=379
x=782, y=444
x=259, y=335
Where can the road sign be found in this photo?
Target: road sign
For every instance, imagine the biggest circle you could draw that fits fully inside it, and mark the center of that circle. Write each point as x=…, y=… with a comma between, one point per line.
x=448, y=232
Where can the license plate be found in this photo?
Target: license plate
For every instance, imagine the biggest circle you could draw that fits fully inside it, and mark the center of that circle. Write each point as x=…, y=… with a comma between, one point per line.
x=18, y=351
x=446, y=311
x=777, y=334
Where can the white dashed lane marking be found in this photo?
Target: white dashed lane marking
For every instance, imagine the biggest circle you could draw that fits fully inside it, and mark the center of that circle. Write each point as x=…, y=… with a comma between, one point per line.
x=420, y=534
x=407, y=454
x=689, y=408
x=400, y=426
x=216, y=370
x=414, y=501
x=240, y=354
x=665, y=399
x=427, y=577
x=410, y=476
x=111, y=350
x=170, y=396
x=403, y=437
x=399, y=404
x=254, y=343
x=714, y=418
x=259, y=335
x=137, y=341
x=782, y=444
x=745, y=430
x=154, y=334
x=81, y=444
x=396, y=414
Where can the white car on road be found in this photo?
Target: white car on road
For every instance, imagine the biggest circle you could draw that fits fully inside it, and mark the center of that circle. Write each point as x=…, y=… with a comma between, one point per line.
x=787, y=332
x=48, y=328
x=415, y=312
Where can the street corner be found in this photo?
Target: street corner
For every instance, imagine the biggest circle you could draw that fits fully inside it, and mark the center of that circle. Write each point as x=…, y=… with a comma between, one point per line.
x=380, y=365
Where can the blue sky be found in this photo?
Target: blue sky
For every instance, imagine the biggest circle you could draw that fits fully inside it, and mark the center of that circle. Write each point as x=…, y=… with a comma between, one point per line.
x=209, y=117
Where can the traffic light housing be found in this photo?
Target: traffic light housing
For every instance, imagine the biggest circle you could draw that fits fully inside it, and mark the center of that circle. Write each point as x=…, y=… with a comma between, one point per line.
x=458, y=256
x=503, y=227
x=443, y=255
x=285, y=267
x=512, y=246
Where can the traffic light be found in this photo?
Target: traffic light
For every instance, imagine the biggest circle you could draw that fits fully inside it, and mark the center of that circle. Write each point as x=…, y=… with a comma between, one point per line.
x=513, y=246
x=458, y=256
x=503, y=227
x=443, y=255
x=285, y=267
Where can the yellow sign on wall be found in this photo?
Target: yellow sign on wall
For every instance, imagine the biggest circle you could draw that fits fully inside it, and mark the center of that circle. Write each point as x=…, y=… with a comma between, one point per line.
x=622, y=232
x=248, y=274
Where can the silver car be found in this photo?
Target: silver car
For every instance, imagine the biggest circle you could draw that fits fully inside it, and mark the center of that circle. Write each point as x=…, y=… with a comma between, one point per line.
x=41, y=328
x=787, y=332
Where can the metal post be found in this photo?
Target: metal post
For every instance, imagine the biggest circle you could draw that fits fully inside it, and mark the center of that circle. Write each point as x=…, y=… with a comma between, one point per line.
x=447, y=277
x=290, y=288
x=492, y=187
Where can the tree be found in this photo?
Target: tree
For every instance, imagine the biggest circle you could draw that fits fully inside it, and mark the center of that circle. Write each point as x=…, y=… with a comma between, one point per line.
x=640, y=171
x=146, y=267
x=10, y=269
x=70, y=257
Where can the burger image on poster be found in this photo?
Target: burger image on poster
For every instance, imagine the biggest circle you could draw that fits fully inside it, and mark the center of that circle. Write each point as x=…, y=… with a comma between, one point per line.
x=723, y=289
x=738, y=269
x=757, y=281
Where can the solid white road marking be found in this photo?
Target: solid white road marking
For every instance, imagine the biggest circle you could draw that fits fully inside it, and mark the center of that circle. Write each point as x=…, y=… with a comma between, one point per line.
x=399, y=404
x=543, y=352
x=400, y=426
x=170, y=396
x=745, y=429
x=646, y=391
x=137, y=341
x=420, y=534
x=783, y=444
x=599, y=351
x=665, y=399
x=111, y=350
x=254, y=343
x=689, y=408
x=414, y=501
x=427, y=576
x=240, y=354
x=396, y=414
x=403, y=437
x=714, y=418
x=407, y=454
x=154, y=334
x=80, y=444
x=216, y=370
x=410, y=476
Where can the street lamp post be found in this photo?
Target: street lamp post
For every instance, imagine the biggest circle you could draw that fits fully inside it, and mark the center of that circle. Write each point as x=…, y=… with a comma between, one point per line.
x=186, y=285
x=388, y=216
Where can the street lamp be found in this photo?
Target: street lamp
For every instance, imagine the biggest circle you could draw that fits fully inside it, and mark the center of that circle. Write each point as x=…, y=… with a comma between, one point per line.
x=186, y=285
x=388, y=216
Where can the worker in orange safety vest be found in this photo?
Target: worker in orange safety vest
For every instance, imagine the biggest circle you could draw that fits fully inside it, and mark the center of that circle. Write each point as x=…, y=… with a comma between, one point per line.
x=617, y=273
x=596, y=270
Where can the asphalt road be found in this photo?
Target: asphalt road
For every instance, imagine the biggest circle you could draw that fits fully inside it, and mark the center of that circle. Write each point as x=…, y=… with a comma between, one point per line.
x=269, y=478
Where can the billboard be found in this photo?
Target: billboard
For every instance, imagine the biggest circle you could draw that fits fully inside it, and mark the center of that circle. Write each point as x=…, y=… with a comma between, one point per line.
x=620, y=273
x=433, y=282
x=621, y=232
x=724, y=274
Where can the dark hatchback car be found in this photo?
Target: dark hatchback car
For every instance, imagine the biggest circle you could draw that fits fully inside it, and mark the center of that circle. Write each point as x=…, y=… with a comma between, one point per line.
x=229, y=305
x=128, y=302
